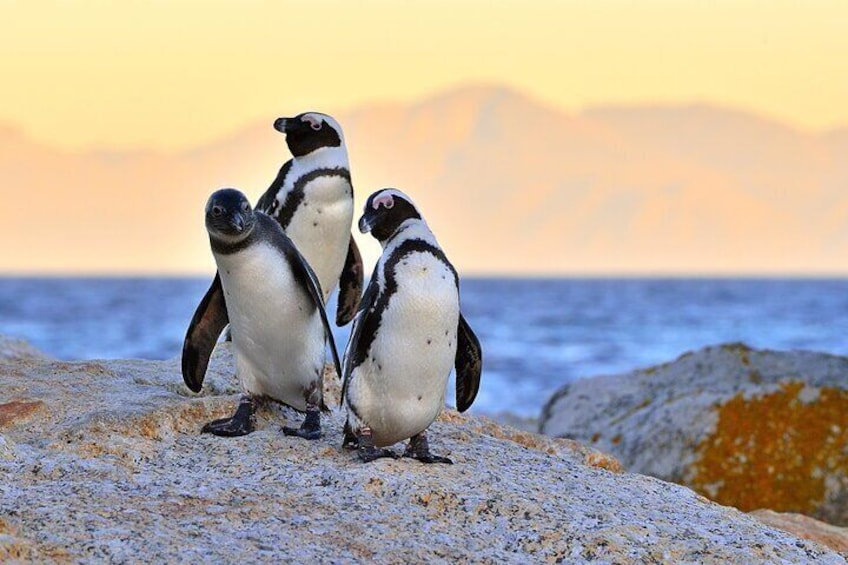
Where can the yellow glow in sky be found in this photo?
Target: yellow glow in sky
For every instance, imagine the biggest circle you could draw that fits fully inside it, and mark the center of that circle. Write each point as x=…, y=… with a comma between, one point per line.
x=170, y=75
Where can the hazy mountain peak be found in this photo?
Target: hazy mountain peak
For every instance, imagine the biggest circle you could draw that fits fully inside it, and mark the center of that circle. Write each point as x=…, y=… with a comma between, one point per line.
x=508, y=183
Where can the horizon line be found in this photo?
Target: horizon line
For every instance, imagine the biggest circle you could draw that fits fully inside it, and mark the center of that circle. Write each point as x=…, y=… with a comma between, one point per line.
x=478, y=275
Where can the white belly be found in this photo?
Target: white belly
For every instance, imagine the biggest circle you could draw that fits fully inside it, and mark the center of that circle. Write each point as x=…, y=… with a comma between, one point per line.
x=321, y=228
x=278, y=337
x=400, y=388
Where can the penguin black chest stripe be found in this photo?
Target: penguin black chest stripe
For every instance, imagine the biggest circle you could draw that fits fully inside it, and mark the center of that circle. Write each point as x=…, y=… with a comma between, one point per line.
x=294, y=197
x=371, y=323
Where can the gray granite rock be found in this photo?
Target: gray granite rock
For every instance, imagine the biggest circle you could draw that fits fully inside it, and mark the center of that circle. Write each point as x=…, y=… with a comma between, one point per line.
x=12, y=348
x=805, y=527
x=748, y=428
x=107, y=464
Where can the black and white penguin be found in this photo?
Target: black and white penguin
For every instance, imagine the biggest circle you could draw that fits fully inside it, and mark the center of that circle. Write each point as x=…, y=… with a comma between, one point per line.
x=406, y=337
x=275, y=307
x=312, y=200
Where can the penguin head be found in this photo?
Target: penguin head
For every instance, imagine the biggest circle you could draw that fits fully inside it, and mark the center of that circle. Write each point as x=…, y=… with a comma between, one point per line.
x=228, y=215
x=309, y=132
x=384, y=213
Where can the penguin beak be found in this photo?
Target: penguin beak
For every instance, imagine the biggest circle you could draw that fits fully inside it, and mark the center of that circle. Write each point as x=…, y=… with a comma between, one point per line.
x=280, y=124
x=238, y=223
x=365, y=224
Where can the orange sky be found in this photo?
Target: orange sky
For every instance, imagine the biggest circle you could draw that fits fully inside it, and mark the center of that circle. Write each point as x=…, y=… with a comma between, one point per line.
x=170, y=75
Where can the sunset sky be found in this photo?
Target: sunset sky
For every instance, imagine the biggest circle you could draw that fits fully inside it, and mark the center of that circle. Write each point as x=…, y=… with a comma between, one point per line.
x=169, y=75
x=84, y=81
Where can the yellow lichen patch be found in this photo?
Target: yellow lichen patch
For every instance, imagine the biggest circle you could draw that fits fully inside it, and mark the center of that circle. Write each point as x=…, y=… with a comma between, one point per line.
x=774, y=450
x=603, y=461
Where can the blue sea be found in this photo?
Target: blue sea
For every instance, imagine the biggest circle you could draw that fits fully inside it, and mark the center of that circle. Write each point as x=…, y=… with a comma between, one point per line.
x=536, y=333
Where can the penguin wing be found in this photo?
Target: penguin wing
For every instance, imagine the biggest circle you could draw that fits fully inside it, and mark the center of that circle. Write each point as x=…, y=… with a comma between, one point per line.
x=350, y=285
x=305, y=276
x=208, y=322
x=469, y=365
x=268, y=201
x=366, y=306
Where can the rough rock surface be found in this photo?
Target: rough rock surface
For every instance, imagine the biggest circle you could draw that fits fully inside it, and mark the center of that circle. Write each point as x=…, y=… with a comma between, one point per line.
x=805, y=527
x=748, y=428
x=12, y=349
x=107, y=465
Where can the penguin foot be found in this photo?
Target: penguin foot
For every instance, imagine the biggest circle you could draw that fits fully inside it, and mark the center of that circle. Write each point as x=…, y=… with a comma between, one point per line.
x=371, y=453
x=430, y=458
x=365, y=447
x=302, y=433
x=419, y=448
x=240, y=424
x=309, y=429
x=349, y=441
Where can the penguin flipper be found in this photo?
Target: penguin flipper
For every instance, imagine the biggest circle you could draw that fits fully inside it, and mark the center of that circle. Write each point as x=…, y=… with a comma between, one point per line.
x=208, y=322
x=366, y=304
x=469, y=365
x=350, y=285
x=304, y=273
x=267, y=203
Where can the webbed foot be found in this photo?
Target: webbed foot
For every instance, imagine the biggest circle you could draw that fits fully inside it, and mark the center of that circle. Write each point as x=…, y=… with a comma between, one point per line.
x=367, y=451
x=419, y=448
x=368, y=454
x=310, y=428
x=240, y=424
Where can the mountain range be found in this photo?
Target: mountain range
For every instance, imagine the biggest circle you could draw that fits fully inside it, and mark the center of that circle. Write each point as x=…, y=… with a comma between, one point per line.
x=508, y=184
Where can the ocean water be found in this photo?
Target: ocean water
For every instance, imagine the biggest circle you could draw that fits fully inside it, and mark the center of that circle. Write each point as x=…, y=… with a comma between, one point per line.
x=536, y=333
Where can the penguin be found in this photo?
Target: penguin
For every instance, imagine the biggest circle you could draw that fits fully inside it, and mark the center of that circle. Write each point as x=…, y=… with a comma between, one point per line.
x=312, y=200
x=407, y=335
x=275, y=306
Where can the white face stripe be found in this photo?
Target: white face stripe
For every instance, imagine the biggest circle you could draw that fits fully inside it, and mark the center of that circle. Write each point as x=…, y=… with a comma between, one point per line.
x=388, y=195
x=386, y=200
x=314, y=118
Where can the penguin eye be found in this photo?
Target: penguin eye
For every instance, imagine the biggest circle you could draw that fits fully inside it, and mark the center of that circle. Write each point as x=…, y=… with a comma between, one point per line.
x=217, y=211
x=313, y=122
x=245, y=206
x=386, y=201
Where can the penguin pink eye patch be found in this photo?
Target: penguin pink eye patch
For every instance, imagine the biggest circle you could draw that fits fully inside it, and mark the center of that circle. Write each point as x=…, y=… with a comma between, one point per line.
x=386, y=201
x=313, y=122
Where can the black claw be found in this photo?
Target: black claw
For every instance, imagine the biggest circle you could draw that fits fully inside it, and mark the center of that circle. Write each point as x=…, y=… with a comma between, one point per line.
x=240, y=424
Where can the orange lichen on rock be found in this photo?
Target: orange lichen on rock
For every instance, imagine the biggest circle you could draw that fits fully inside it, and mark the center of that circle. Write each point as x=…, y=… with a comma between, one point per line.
x=774, y=450
x=18, y=410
